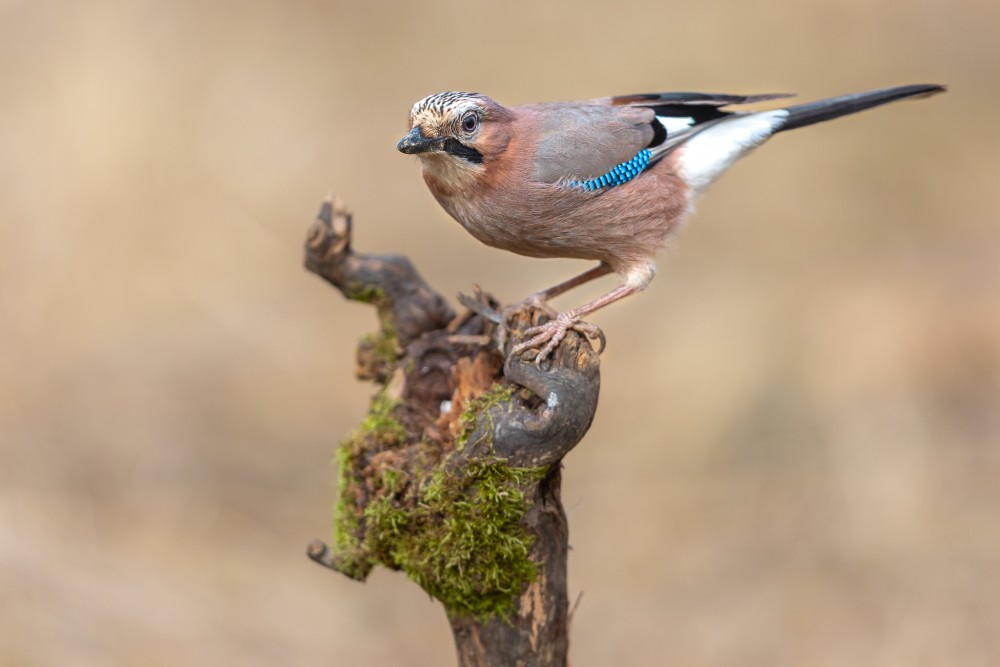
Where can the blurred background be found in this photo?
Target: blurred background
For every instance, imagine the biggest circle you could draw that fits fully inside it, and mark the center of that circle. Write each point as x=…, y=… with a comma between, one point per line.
x=796, y=457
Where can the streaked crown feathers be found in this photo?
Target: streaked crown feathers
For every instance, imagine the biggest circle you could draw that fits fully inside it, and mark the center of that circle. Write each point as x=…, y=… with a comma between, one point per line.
x=434, y=109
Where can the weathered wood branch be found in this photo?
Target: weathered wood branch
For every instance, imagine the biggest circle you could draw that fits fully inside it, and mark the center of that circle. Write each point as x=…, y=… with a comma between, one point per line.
x=454, y=475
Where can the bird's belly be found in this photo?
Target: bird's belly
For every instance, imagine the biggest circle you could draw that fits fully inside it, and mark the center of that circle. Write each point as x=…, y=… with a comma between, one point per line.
x=617, y=226
x=523, y=229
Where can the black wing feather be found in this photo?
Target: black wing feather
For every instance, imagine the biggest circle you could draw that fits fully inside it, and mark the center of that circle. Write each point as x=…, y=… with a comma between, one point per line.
x=693, y=99
x=700, y=107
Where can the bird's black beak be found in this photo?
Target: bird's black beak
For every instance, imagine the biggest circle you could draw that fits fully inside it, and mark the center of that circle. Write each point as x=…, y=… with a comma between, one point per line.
x=415, y=142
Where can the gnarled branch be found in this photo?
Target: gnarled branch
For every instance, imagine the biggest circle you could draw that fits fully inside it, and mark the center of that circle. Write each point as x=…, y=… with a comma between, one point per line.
x=454, y=475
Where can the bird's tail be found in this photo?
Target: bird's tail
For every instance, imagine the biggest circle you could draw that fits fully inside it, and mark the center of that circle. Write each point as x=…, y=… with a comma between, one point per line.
x=801, y=115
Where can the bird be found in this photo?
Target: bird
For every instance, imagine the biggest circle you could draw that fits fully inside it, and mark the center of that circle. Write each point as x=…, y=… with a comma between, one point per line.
x=609, y=180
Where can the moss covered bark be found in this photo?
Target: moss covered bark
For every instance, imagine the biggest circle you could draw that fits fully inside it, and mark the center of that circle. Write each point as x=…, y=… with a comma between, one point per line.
x=454, y=530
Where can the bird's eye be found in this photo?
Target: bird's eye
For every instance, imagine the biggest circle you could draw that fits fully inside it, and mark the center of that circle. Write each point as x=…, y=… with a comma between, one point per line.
x=470, y=122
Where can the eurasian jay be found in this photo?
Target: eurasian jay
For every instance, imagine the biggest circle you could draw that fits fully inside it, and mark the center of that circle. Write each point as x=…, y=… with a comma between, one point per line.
x=609, y=179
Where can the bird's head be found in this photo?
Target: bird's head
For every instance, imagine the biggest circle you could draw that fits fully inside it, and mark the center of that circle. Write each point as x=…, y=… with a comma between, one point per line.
x=456, y=132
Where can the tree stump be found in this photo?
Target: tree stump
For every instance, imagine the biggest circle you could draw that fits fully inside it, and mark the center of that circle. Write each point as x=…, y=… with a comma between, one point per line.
x=454, y=475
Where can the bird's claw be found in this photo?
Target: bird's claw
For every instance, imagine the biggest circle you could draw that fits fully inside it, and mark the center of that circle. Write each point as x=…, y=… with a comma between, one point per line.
x=508, y=313
x=544, y=338
x=593, y=332
x=536, y=301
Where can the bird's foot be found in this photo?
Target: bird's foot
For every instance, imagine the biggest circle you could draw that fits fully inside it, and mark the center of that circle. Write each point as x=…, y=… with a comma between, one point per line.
x=544, y=338
x=535, y=300
x=509, y=313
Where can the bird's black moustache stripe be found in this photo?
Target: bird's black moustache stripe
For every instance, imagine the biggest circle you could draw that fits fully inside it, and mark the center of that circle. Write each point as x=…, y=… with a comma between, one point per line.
x=458, y=149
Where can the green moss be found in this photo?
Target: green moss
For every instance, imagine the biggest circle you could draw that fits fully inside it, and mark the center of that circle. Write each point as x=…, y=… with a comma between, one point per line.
x=365, y=293
x=378, y=430
x=347, y=518
x=457, y=533
x=379, y=352
x=379, y=425
x=497, y=394
x=462, y=541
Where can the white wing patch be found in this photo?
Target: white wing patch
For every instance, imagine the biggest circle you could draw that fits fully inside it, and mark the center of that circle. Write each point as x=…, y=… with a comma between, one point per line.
x=706, y=155
x=674, y=124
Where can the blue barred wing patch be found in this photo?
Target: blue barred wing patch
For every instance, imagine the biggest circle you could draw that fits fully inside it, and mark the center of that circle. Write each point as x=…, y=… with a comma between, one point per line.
x=622, y=173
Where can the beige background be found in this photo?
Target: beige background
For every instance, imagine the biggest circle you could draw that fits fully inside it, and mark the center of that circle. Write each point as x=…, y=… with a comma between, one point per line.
x=796, y=457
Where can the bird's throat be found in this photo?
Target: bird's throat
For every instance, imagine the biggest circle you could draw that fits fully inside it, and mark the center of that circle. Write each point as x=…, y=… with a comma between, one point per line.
x=447, y=175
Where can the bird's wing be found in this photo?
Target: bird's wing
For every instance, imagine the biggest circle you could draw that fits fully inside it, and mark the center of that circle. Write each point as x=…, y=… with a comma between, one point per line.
x=582, y=141
x=683, y=114
x=654, y=100
x=608, y=141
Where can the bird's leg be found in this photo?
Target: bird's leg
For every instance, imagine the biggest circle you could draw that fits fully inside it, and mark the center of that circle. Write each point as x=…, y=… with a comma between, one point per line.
x=540, y=299
x=598, y=271
x=552, y=332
